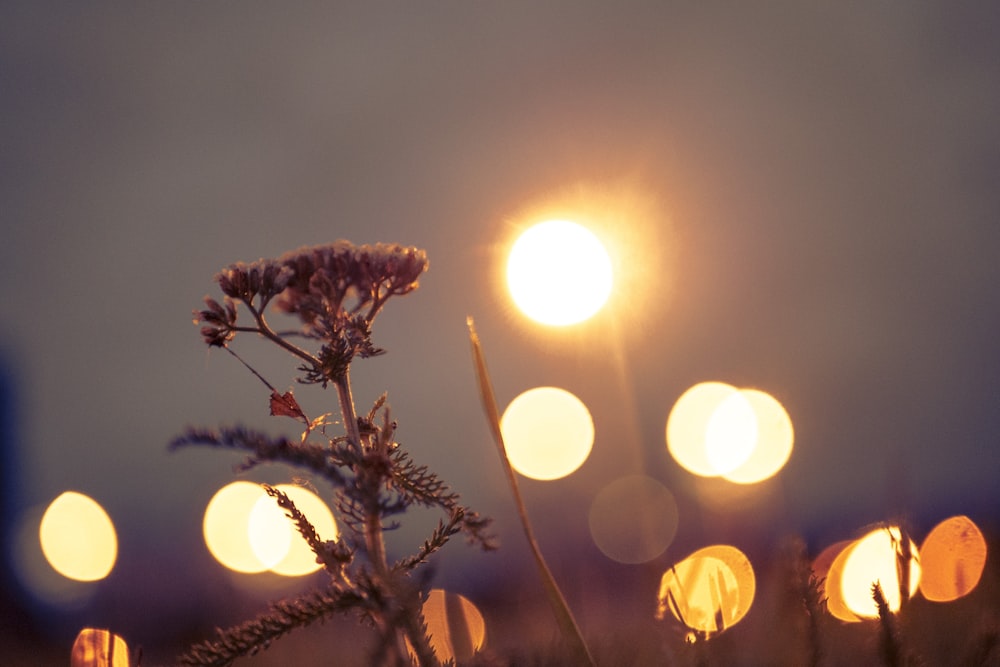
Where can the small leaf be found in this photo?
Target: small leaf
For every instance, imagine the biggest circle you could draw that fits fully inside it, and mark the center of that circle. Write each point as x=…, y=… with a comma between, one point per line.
x=285, y=405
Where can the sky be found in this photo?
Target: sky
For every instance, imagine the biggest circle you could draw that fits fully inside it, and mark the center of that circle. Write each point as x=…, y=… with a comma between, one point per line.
x=801, y=199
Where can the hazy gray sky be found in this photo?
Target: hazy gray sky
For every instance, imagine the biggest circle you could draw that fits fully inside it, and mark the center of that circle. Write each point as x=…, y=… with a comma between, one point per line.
x=819, y=200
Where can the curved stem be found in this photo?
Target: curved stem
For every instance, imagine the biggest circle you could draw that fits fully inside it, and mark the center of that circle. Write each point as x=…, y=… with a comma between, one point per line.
x=265, y=330
x=570, y=630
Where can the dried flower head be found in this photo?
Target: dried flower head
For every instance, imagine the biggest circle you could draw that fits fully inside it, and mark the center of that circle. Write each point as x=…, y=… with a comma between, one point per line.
x=335, y=290
x=325, y=278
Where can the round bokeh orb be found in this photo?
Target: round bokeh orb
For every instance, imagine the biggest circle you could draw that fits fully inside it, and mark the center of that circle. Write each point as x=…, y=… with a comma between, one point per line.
x=548, y=433
x=633, y=519
x=952, y=559
x=78, y=537
x=710, y=590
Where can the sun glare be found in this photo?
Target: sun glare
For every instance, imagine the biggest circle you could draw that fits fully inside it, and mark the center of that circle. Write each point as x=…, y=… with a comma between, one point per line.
x=548, y=433
x=634, y=519
x=78, y=537
x=559, y=273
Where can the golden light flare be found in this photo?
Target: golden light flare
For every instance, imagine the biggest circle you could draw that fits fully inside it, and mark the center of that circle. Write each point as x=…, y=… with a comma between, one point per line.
x=226, y=526
x=559, y=273
x=628, y=217
x=247, y=532
x=775, y=437
x=455, y=626
x=548, y=433
x=730, y=433
x=952, y=559
x=874, y=559
x=99, y=648
x=78, y=537
x=710, y=590
x=742, y=435
x=836, y=604
x=633, y=519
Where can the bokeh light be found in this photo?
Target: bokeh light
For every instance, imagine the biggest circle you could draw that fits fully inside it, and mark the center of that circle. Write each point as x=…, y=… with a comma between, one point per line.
x=836, y=604
x=952, y=559
x=633, y=519
x=742, y=435
x=548, y=433
x=78, y=537
x=246, y=530
x=688, y=423
x=874, y=559
x=559, y=273
x=775, y=438
x=99, y=648
x=730, y=434
x=455, y=626
x=226, y=526
x=710, y=590
x=270, y=527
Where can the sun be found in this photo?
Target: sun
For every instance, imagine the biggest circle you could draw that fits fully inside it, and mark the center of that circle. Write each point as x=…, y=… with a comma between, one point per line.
x=559, y=273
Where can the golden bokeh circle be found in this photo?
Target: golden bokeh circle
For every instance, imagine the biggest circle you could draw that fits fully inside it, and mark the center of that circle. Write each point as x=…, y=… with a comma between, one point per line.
x=78, y=537
x=548, y=433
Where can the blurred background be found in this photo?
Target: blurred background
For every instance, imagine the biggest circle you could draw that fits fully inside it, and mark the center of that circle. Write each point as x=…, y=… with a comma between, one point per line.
x=798, y=199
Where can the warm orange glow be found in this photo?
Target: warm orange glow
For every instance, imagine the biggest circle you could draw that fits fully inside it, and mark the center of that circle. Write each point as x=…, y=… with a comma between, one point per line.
x=687, y=426
x=710, y=590
x=743, y=435
x=775, y=437
x=98, y=648
x=730, y=434
x=833, y=586
x=226, y=526
x=456, y=627
x=873, y=559
x=246, y=530
x=559, y=273
x=633, y=519
x=78, y=537
x=952, y=557
x=548, y=433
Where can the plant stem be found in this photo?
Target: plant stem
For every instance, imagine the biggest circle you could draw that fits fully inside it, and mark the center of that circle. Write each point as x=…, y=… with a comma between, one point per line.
x=570, y=630
x=347, y=412
x=374, y=540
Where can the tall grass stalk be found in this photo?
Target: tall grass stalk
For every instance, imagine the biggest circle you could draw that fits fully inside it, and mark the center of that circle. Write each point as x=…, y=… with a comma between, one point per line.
x=567, y=624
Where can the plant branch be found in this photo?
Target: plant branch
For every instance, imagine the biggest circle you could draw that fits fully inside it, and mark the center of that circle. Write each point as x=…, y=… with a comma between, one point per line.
x=265, y=330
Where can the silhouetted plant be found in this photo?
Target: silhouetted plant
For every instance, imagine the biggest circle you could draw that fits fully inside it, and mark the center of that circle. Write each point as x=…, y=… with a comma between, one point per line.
x=335, y=291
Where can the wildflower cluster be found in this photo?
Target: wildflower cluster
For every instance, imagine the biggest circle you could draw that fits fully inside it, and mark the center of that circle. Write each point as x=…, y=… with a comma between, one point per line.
x=335, y=291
